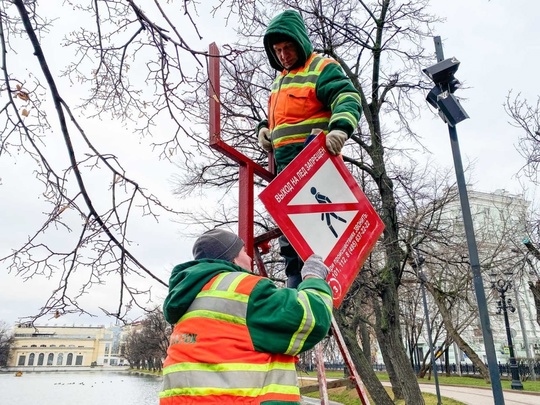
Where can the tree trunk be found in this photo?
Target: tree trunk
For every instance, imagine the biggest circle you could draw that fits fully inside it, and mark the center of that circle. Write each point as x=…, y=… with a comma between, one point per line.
x=366, y=341
x=447, y=362
x=454, y=334
x=535, y=289
x=388, y=328
x=363, y=366
x=400, y=372
x=394, y=380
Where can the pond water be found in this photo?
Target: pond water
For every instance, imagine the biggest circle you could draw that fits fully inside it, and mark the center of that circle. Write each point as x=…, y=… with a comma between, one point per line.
x=79, y=388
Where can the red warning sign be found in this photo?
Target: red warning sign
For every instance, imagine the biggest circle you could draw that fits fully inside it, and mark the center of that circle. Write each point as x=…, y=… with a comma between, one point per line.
x=320, y=208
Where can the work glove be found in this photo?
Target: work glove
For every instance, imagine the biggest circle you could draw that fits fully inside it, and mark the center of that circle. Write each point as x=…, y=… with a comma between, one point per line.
x=335, y=140
x=314, y=267
x=264, y=139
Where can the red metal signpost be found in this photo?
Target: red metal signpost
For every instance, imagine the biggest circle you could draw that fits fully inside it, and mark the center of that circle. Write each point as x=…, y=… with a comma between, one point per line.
x=247, y=167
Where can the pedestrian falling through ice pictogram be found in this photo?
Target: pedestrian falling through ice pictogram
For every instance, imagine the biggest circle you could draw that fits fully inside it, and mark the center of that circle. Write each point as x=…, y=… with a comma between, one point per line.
x=322, y=199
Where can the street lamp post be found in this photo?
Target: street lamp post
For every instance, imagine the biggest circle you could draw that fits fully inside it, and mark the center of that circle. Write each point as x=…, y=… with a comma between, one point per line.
x=441, y=97
x=503, y=306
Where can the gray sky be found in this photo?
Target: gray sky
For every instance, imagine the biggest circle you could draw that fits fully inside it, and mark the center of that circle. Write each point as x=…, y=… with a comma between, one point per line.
x=497, y=45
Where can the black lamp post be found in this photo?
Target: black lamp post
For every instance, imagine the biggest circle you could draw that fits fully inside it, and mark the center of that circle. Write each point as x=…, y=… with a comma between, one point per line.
x=441, y=97
x=503, y=306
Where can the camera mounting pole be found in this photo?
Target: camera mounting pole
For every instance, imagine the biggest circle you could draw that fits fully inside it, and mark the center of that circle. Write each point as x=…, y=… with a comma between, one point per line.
x=473, y=250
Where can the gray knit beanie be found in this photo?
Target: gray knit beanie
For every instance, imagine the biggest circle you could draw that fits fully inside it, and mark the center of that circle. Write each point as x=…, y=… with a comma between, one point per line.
x=217, y=244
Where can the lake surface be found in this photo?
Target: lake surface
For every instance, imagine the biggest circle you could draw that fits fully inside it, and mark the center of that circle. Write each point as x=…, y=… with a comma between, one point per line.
x=79, y=388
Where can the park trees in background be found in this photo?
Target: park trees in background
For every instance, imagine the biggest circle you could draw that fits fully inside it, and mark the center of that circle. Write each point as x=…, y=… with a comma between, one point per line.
x=500, y=220
x=6, y=341
x=525, y=115
x=147, y=341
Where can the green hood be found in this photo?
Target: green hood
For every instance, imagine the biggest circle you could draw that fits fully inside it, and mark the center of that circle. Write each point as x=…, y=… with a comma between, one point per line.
x=187, y=280
x=288, y=24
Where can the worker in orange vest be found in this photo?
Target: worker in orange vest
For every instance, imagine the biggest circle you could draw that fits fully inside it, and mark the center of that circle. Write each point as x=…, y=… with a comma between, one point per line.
x=237, y=335
x=310, y=95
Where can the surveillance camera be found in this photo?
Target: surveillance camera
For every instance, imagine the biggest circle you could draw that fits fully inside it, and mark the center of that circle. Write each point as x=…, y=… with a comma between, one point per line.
x=442, y=72
x=431, y=98
x=450, y=108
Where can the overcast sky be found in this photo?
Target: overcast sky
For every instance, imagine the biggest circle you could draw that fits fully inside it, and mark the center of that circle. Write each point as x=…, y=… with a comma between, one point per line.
x=498, y=47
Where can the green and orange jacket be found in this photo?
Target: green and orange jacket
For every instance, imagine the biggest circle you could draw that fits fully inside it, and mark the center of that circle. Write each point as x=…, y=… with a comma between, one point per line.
x=315, y=94
x=236, y=335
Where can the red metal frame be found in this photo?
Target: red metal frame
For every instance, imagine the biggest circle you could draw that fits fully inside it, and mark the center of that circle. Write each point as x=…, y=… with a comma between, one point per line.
x=247, y=167
x=247, y=170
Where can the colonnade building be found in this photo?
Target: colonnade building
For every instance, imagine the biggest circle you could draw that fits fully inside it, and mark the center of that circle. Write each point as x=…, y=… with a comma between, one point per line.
x=63, y=347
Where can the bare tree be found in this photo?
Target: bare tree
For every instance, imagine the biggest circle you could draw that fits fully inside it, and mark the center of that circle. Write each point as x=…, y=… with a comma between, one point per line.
x=6, y=341
x=530, y=264
x=137, y=71
x=526, y=116
x=500, y=221
x=379, y=46
x=147, y=342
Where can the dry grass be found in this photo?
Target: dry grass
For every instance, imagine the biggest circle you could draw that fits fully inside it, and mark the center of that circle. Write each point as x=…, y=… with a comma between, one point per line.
x=348, y=396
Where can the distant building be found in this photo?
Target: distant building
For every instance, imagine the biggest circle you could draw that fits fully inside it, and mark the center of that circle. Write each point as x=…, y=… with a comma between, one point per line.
x=500, y=224
x=63, y=347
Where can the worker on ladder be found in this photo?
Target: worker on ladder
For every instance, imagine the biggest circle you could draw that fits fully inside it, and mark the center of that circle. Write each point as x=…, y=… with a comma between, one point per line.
x=310, y=95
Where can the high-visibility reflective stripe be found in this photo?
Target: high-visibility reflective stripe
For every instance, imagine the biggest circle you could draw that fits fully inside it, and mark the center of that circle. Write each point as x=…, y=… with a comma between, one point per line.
x=220, y=304
x=304, y=126
x=227, y=281
x=298, y=131
x=203, y=392
x=302, y=79
x=328, y=300
x=308, y=323
x=231, y=295
x=343, y=96
x=245, y=377
x=344, y=116
x=214, y=315
x=274, y=365
x=298, y=80
x=235, y=281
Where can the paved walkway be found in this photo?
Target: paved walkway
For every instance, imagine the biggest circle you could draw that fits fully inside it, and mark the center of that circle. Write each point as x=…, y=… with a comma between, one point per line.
x=482, y=396
x=316, y=401
x=467, y=395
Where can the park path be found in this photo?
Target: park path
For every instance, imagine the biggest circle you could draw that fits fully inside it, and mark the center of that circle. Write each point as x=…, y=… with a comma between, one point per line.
x=482, y=396
x=467, y=395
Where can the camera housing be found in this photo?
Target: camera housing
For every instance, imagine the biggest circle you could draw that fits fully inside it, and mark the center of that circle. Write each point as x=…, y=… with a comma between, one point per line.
x=442, y=72
x=450, y=108
x=441, y=96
